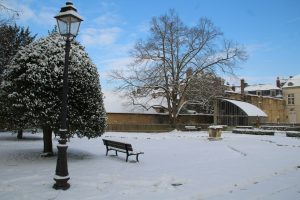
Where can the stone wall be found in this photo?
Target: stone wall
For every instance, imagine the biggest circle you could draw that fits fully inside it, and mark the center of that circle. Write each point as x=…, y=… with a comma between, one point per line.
x=152, y=122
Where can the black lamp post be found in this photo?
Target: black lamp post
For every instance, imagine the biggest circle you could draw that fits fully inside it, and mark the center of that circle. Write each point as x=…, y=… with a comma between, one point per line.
x=68, y=21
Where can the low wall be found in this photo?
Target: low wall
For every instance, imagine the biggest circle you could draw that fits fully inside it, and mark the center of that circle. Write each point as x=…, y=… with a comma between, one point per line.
x=139, y=127
x=134, y=122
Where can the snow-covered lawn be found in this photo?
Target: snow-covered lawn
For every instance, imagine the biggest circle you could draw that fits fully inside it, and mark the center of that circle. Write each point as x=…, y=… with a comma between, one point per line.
x=175, y=166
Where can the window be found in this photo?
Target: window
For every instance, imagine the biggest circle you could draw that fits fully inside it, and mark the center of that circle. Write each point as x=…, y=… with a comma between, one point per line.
x=291, y=99
x=265, y=92
x=273, y=93
x=278, y=92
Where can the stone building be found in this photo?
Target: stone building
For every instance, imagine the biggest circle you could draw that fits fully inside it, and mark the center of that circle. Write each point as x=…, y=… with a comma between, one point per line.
x=244, y=105
x=280, y=106
x=291, y=95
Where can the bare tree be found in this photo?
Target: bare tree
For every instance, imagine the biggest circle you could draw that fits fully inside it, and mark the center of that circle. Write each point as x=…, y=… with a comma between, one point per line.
x=7, y=14
x=202, y=90
x=162, y=60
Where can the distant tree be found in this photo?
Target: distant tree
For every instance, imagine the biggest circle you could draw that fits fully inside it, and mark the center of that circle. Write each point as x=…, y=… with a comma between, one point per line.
x=162, y=60
x=33, y=83
x=53, y=31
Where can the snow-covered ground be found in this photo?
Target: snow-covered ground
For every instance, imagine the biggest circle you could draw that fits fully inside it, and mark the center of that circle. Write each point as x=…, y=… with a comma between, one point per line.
x=175, y=166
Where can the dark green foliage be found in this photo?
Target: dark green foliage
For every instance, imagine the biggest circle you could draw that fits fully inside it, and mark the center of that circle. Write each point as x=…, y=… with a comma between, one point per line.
x=11, y=40
x=33, y=85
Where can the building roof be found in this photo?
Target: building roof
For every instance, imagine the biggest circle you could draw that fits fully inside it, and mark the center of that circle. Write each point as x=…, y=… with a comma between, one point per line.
x=260, y=87
x=257, y=87
x=250, y=109
x=292, y=82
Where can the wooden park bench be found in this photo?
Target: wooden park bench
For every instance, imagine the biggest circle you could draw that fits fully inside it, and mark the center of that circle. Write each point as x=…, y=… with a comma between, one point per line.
x=121, y=147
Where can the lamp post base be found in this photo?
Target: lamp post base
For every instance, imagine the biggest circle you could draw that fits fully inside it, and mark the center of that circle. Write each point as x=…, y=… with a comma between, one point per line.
x=61, y=184
x=61, y=174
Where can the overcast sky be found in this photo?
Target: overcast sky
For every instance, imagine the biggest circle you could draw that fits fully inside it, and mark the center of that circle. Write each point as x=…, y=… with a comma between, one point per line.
x=269, y=29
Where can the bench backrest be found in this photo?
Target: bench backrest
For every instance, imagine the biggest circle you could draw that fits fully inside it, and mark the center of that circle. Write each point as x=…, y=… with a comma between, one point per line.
x=118, y=145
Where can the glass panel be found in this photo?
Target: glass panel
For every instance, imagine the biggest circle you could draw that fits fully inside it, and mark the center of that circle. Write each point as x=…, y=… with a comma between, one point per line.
x=68, y=26
x=74, y=28
x=62, y=27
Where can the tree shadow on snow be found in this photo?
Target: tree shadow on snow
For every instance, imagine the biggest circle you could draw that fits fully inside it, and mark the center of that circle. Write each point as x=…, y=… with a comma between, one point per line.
x=77, y=155
x=26, y=137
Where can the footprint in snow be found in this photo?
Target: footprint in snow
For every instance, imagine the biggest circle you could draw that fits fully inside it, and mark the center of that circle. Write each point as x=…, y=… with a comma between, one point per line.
x=176, y=184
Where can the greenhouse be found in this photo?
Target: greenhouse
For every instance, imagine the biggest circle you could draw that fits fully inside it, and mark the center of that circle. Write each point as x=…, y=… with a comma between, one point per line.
x=236, y=113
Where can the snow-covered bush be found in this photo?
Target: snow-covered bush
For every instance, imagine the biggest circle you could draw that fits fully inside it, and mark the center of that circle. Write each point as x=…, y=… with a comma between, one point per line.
x=253, y=131
x=33, y=83
x=293, y=133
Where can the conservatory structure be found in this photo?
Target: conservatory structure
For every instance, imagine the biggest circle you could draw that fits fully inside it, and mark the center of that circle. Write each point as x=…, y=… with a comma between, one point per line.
x=237, y=113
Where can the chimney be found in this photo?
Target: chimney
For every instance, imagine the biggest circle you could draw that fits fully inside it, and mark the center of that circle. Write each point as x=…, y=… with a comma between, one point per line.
x=233, y=88
x=243, y=89
x=242, y=86
x=278, y=82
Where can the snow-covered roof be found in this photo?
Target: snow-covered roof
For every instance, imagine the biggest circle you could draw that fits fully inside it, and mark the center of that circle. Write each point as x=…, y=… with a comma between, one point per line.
x=260, y=87
x=115, y=103
x=292, y=82
x=250, y=109
x=257, y=87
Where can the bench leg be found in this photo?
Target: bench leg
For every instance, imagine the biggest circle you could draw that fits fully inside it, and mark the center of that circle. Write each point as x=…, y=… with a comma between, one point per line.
x=137, y=157
x=127, y=157
x=107, y=150
x=116, y=153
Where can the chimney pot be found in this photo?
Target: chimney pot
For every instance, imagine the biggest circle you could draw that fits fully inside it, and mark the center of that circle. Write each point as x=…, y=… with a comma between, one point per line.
x=243, y=89
x=242, y=86
x=278, y=82
x=233, y=88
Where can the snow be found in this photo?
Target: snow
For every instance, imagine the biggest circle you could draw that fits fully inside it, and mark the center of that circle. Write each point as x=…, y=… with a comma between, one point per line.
x=216, y=127
x=116, y=103
x=292, y=82
x=260, y=87
x=250, y=109
x=175, y=166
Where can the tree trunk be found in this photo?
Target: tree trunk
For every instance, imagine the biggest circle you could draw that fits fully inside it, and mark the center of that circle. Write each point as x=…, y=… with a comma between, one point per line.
x=20, y=134
x=173, y=114
x=47, y=137
x=174, y=124
x=173, y=121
